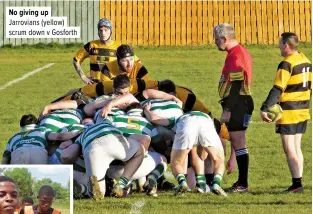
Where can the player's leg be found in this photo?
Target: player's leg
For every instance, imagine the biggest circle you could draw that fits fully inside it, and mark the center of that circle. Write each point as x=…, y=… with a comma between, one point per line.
x=239, y=122
x=132, y=153
x=294, y=163
x=211, y=143
x=178, y=165
x=160, y=164
x=198, y=166
x=97, y=162
x=209, y=171
x=298, y=138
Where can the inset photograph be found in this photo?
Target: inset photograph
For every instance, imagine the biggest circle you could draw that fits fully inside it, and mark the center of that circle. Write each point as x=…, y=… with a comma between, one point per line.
x=36, y=189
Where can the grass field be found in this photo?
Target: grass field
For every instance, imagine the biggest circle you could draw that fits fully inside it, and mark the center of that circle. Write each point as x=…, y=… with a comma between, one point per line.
x=197, y=68
x=62, y=206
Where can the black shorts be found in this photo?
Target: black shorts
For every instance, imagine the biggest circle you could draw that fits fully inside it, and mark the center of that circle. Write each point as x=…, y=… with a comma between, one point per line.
x=240, y=114
x=291, y=129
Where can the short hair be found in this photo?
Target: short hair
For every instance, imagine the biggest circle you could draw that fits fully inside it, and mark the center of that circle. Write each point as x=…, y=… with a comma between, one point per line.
x=78, y=95
x=28, y=119
x=46, y=190
x=291, y=39
x=224, y=30
x=121, y=81
x=124, y=51
x=28, y=200
x=4, y=178
x=133, y=105
x=167, y=86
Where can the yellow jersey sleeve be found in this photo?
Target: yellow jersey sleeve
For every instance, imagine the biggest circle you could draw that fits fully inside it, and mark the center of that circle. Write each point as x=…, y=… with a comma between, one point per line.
x=82, y=54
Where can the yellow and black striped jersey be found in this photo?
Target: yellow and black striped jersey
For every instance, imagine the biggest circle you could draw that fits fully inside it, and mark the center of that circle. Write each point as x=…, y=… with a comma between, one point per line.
x=112, y=69
x=99, y=54
x=190, y=101
x=106, y=87
x=294, y=77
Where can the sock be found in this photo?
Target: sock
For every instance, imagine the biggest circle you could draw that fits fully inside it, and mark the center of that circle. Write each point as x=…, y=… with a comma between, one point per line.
x=209, y=178
x=297, y=182
x=123, y=181
x=242, y=157
x=217, y=179
x=181, y=178
x=200, y=180
x=84, y=189
x=157, y=172
x=161, y=179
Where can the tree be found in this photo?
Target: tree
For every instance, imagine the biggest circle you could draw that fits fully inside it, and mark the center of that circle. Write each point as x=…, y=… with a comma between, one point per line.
x=23, y=180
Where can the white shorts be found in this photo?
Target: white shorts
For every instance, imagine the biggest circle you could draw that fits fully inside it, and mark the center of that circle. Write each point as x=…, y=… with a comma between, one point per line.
x=150, y=161
x=192, y=130
x=29, y=155
x=103, y=150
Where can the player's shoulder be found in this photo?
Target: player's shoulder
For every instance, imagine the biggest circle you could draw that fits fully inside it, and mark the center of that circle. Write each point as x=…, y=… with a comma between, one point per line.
x=285, y=65
x=180, y=88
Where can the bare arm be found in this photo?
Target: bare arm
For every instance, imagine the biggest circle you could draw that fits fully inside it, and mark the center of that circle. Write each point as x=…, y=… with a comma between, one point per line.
x=65, y=104
x=91, y=108
x=70, y=154
x=117, y=102
x=155, y=94
x=62, y=136
x=154, y=118
x=81, y=74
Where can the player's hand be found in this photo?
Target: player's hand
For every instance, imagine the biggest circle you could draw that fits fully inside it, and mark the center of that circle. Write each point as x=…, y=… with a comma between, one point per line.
x=106, y=110
x=147, y=107
x=225, y=117
x=87, y=80
x=264, y=117
x=178, y=101
x=231, y=166
x=43, y=112
x=65, y=144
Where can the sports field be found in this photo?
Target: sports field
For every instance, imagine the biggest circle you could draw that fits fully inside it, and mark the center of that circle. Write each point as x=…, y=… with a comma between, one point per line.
x=197, y=68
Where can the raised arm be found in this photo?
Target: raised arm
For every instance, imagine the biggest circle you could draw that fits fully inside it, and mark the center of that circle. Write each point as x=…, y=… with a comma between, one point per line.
x=155, y=94
x=65, y=104
x=118, y=102
x=62, y=136
x=154, y=118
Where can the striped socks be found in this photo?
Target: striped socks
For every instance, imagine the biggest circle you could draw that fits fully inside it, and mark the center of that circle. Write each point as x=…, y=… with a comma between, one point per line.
x=242, y=157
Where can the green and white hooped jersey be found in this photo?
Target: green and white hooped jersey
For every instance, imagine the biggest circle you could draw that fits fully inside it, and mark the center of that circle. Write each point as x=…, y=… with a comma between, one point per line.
x=73, y=128
x=96, y=131
x=33, y=136
x=59, y=119
x=165, y=108
x=134, y=123
x=196, y=113
x=114, y=112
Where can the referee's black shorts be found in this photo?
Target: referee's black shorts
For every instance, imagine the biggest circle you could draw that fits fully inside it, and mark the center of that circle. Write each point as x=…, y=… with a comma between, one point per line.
x=240, y=114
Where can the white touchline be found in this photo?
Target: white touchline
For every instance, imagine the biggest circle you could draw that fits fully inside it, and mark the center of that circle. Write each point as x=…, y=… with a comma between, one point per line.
x=25, y=76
